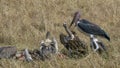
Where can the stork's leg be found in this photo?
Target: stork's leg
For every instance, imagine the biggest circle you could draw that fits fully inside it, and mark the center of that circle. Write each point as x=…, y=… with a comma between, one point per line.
x=94, y=40
x=96, y=44
x=92, y=45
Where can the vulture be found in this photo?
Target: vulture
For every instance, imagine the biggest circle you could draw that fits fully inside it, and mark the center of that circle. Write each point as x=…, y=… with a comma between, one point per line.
x=72, y=42
x=48, y=47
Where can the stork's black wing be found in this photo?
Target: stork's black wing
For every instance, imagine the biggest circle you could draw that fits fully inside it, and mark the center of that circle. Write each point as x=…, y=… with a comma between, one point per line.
x=91, y=28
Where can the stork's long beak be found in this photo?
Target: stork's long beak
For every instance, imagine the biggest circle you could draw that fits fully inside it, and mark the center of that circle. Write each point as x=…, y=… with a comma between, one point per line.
x=75, y=19
x=71, y=23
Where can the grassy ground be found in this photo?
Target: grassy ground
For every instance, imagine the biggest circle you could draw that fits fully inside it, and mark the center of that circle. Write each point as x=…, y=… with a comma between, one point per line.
x=24, y=23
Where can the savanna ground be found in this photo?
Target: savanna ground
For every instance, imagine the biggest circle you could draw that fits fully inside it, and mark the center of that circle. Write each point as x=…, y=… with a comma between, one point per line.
x=24, y=23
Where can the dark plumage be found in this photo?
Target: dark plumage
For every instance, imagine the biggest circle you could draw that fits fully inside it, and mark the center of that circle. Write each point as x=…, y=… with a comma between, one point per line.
x=75, y=44
x=72, y=42
x=88, y=27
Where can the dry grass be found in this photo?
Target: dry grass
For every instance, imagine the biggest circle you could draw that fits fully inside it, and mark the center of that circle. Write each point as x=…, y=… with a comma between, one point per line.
x=23, y=23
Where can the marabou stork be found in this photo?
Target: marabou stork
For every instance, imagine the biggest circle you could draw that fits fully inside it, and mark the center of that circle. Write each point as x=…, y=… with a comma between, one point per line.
x=89, y=28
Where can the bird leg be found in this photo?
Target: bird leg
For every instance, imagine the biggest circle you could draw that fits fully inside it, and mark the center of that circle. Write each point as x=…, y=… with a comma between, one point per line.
x=96, y=44
x=94, y=40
